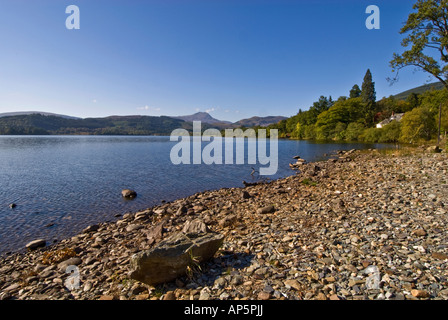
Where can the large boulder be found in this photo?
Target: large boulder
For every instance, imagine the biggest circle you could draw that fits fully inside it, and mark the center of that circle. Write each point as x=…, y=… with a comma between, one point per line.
x=173, y=256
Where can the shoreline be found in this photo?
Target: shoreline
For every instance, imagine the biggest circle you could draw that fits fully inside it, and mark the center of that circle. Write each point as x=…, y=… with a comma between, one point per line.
x=331, y=223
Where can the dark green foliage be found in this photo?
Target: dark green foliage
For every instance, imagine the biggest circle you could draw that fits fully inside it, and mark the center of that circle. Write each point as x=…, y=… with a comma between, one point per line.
x=355, y=92
x=418, y=124
x=368, y=96
x=368, y=93
x=37, y=124
x=426, y=43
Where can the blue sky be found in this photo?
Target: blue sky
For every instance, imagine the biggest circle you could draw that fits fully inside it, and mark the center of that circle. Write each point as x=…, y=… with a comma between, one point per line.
x=234, y=59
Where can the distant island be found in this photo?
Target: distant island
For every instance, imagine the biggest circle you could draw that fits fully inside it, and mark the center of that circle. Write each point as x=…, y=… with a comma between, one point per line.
x=44, y=123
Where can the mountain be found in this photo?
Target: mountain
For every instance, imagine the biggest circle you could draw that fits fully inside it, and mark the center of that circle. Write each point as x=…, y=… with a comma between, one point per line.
x=44, y=123
x=204, y=117
x=259, y=121
x=38, y=124
x=418, y=90
x=26, y=113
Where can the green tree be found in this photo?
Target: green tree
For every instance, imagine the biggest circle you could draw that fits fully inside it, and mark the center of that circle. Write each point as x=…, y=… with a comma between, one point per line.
x=413, y=100
x=391, y=132
x=417, y=124
x=371, y=135
x=426, y=43
x=355, y=92
x=368, y=93
x=427, y=40
x=354, y=131
x=368, y=96
x=329, y=123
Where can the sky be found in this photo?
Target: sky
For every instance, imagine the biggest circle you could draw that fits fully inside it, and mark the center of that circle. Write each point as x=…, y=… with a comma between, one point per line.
x=233, y=59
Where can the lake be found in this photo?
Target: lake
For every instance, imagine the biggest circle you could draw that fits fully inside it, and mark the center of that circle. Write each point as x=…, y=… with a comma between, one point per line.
x=62, y=184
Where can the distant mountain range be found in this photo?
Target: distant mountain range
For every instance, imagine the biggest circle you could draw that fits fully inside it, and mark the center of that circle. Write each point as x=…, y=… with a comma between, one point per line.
x=26, y=113
x=37, y=122
x=44, y=123
x=205, y=117
x=259, y=121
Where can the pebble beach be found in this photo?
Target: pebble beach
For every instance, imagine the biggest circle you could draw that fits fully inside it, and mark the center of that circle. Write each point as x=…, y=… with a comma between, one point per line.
x=363, y=225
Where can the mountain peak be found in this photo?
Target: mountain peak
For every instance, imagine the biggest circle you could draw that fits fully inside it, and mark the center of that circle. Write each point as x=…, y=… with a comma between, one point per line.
x=204, y=117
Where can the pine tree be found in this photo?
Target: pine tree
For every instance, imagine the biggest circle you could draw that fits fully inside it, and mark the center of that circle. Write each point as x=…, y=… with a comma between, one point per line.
x=368, y=96
x=368, y=93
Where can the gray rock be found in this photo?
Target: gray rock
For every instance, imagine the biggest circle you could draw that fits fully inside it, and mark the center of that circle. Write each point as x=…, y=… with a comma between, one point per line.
x=155, y=233
x=193, y=227
x=171, y=257
x=128, y=193
x=91, y=228
x=246, y=195
x=33, y=245
x=69, y=262
x=133, y=227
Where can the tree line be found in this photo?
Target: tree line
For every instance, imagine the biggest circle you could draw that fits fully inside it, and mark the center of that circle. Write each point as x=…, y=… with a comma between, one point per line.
x=354, y=117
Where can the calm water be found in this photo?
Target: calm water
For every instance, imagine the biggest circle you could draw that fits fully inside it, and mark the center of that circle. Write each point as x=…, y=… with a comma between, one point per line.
x=61, y=184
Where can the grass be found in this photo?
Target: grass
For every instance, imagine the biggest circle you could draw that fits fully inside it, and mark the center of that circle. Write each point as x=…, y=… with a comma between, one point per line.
x=194, y=267
x=309, y=182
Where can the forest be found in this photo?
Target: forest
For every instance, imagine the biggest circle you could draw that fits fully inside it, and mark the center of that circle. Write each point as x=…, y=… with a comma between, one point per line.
x=354, y=117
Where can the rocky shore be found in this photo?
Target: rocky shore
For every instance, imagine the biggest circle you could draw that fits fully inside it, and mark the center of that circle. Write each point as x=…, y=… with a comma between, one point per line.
x=361, y=226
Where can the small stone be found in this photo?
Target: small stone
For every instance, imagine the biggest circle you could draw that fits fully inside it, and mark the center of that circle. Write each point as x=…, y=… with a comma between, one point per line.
x=263, y=295
x=169, y=296
x=107, y=297
x=420, y=232
x=87, y=286
x=293, y=284
x=12, y=287
x=246, y=195
x=321, y=296
x=196, y=226
x=227, y=221
x=36, y=244
x=91, y=228
x=133, y=227
x=264, y=210
x=268, y=289
x=205, y=294
x=69, y=262
x=420, y=293
x=438, y=255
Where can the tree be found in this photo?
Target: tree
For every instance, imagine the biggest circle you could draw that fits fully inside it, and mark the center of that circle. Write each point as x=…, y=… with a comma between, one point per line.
x=417, y=124
x=427, y=34
x=368, y=96
x=355, y=92
x=334, y=120
x=413, y=100
x=368, y=93
x=427, y=40
x=354, y=131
